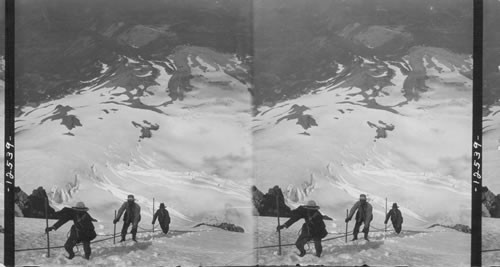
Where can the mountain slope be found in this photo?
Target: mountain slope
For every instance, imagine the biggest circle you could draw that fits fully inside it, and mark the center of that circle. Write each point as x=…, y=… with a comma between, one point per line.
x=370, y=135
x=108, y=140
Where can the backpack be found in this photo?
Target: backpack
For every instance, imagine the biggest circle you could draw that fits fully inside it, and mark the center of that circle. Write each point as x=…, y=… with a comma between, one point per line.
x=84, y=227
x=397, y=218
x=315, y=225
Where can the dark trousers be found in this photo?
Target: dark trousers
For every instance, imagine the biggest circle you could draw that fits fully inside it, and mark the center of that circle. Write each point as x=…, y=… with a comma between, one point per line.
x=302, y=241
x=397, y=228
x=356, y=229
x=126, y=225
x=164, y=227
x=73, y=240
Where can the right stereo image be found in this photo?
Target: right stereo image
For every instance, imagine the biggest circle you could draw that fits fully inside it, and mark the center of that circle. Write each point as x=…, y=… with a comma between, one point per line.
x=491, y=135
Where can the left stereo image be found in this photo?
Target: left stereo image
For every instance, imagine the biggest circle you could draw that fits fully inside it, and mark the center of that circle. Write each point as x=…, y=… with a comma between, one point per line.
x=132, y=133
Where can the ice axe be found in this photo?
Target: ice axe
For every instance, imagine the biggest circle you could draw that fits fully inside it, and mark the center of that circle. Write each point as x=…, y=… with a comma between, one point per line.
x=279, y=232
x=385, y=225
x=153, y=235
x=47, y=225
x=114, y=230
x=346, y=223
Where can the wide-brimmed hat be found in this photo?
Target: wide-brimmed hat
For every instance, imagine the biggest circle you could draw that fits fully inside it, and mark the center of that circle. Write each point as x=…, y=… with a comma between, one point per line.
x=80, y=206
x=362, y=197
x=312, y=204
x=395, y=205
x=131, y=197
x=162, y=205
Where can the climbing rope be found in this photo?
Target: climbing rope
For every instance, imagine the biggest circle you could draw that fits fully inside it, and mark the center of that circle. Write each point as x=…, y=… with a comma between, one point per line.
x=340, y=235
x=490, y=250
x=110, y=236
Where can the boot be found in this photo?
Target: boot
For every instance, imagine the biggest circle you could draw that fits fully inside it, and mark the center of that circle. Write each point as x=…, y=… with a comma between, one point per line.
x=71, y=255
x=87, y=256
x=133, y=237
x=123, y=238
x=355, y=238
x=366, y=236
x=302, y=253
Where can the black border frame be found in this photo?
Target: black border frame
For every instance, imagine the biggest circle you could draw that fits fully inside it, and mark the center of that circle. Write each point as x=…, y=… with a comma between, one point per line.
x=9, y=174
x=477, y=135
x=9, y=151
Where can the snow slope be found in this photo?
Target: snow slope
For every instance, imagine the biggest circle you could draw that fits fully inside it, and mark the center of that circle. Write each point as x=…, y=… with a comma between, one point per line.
x=125, y=132
x=368, y=132
x=408, y=248
x=491, y=149
x=184, y=246
x=490, y=241
x=491, y=168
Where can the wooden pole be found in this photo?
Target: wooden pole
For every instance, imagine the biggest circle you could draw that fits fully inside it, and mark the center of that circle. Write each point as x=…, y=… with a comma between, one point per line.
x=47, y=225
x=152, y=236
x=385, y=226
x=346, y=223
x=278, y=215
x=114, y=230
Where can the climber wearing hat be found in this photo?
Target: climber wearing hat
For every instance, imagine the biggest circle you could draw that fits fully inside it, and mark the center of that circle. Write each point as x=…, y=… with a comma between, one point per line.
x=363, y=216
x=396, y=218
x=163, y=218
x=82, y=229
x=132, y=216
x=313, y=229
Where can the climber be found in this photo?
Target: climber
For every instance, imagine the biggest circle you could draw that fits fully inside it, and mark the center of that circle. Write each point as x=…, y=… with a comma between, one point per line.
x=82, y=230
x=363, y=216
x=313, y=229
x=132, y=216
x=396, y=218
x=163, y=218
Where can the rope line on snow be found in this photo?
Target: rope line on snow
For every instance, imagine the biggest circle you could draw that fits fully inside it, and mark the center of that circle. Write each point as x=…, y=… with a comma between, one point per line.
x=148, y=229
x=92, y=242
x=490, y=250
x=341, y=235
x=111, y=236
x=287, y=245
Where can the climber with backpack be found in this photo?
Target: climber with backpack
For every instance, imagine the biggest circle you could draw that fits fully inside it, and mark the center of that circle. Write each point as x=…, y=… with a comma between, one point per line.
x=163, y=218
x=82, y=230
x=314, y=227
x=396, y=218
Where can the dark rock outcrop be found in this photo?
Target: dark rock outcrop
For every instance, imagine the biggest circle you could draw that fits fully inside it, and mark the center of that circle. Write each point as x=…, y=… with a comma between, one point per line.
x=459, y=227
x=491, y=203
x=33, y=206
x=224, y=226
x=267, y=204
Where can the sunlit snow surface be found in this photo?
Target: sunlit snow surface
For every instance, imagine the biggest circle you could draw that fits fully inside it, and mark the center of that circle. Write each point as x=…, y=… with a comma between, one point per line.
x=413, y=247
x=107, y=141
x=491, y=169
x=423, y=162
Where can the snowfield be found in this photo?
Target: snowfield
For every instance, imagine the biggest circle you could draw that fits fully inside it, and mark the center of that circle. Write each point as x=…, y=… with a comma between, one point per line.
x=491, y=149
x=183, y=245
x=414, y=247
x=491, y=168
x=366, y=134
x=490, y=241
x=123, y=134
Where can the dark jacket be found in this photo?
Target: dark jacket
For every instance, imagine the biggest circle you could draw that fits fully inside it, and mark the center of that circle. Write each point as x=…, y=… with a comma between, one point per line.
x=314, y=225
x=162, y=215
x=364, y=213
x=83, y=226
x=132, y=213
x=395, y=215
